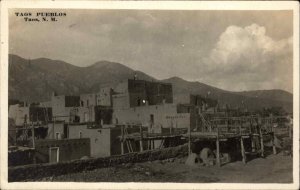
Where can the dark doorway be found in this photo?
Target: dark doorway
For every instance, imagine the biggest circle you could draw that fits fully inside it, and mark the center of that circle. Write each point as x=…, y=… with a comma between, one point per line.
x=151, y=119
x=54, y=155
x=66, y=134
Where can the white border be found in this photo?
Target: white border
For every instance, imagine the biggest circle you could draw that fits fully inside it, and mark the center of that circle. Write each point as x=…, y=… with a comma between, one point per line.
x=154, y=5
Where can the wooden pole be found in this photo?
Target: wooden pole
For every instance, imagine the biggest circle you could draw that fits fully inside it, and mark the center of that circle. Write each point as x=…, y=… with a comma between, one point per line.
x=243, y=150
x=33, y=139
x=242, y=144
x=33, y=144
x=240, y=128
x=153, y=144
x=261, y=142
x=122, y=139
x=252, y=136
x=252, y=143
x=250, y=130
x=227, y=124
x=290, y=127
x=218, y=148
x=33, y=132
x=148, y=144
x=273, y=143
x=141, y=139
x=189, y=144
x=53, y=136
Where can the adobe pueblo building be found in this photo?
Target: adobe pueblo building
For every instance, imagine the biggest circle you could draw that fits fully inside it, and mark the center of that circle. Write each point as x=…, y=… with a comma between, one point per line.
x=134, y=116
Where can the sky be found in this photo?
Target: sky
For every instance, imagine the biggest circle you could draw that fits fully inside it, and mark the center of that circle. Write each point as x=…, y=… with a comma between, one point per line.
x=231, y=50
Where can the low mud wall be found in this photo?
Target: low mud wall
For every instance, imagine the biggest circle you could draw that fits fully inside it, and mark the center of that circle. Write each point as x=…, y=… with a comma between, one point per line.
x=38, y=171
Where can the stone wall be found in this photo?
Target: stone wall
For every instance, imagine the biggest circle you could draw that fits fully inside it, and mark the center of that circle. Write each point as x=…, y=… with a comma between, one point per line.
x=34, y=172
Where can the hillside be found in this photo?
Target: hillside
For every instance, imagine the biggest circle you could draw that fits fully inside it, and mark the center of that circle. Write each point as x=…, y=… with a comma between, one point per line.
x=250, y=99
x=35, y=80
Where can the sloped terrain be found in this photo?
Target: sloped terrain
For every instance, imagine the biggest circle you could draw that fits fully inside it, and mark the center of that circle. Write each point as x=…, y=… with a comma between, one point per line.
x=273, y=169
x=35, y=80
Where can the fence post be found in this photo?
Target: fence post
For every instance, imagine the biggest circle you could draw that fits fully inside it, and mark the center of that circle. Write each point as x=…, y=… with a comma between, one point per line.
x=141, y=139
x=243, y=150
x=273, y=143
x=189, y=130
x=218, y=148
x=261, y=142
x=122, y=139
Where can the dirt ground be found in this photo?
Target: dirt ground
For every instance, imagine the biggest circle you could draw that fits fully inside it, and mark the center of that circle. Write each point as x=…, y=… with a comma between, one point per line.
x=272, y=169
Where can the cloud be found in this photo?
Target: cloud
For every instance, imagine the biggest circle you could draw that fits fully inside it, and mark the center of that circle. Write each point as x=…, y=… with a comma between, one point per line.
x=212, y=47
x=247, y=58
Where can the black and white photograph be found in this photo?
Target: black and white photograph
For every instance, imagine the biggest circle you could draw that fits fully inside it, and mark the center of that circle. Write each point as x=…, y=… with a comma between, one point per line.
x=151, y=95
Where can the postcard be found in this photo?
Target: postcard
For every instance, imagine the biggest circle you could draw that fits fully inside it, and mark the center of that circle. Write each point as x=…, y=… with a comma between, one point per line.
x=149, y=95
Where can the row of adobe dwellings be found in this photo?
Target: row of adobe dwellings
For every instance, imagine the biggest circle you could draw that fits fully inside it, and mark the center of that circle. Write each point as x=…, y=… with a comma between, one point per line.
x=131, y=102
x=98, y=117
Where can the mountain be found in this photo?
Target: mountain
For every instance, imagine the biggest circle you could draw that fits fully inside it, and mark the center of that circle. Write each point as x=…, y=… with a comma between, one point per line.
x=280, y=95
x=35, y=80
x=251, y=99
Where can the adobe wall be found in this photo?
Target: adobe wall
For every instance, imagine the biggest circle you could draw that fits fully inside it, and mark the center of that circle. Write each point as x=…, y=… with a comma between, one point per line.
x=34, y=172
x=87, y=100
x=59, y=109
x=165, y=116
x=178, y=120
x=104, y=97
x=120, y=101
x=64, y=105
x=58, y=128
x=99, y=139
x=69, y=149
x=86, y=114
x=58, y=104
